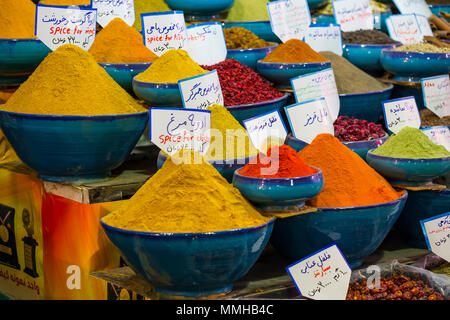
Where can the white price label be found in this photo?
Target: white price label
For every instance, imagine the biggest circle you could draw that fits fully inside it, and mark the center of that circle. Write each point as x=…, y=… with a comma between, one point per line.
x=413, y=6
x=404, y=28
x=310, y=118
x=56, y=26
x=324, y=275
x=353, y=15
x=440, y=135
x=269, y=126
x=289, y=19
x=436, y=94
x=164, y=31
x=206, y=43
x=437, y=234
x=316, y=85
x=175, y=129
x=400, y=113
x=201, y=91
x=424, y=25
x=324, y=38
x=108, y=10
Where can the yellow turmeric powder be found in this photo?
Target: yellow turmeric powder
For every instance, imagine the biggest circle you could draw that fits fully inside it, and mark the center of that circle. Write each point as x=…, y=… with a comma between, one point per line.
x=120, y=43
x=184, y=196
x=70, y=82
x=7, y=153
x=145, y=6
x=17, y=19
x=66, y=2
x=170, y=67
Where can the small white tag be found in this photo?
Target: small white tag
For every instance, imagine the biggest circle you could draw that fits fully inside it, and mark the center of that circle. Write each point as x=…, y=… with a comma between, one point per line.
x=413, y=6
x=175, y=129
x=206, y=43
x=56, y=26
x=324, y=275
x=164, y=31
x=440, y=135
x=353, y=15
x=108, y=10
x=437, y=234
x=264, y=127
x=310, y=118
x=400, y=113
x=404, y=28
x=424, y=25
x=436, y=94
x=324, y=38
x=201, y=91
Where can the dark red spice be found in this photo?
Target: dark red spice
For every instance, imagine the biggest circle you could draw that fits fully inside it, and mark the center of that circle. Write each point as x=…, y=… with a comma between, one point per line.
x=396, y=287
x=241, y=85
x=350, y=129
x=280, y=162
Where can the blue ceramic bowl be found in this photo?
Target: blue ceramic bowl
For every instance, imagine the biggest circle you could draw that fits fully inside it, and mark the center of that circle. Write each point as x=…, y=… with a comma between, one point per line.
x=71, y=148
x=412, y=66
x=407, y=89
x=123, y=73
x=200, y=9
x=366, y=56
x=191, y=264
x=260, y=28
x=329, y=18
x=366, y=106
x=281, y=73
x=359, y=147
x=421, y=205
x=435, y=9
x=162, y=95
x=247, y=111
x=19, y=58
x=225, y=167
x=357, y=231
x=313, y=4
x=249, y=57
x=279, y=194
x=408, y=171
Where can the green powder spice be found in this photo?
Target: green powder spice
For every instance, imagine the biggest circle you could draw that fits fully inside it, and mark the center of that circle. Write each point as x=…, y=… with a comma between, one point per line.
x=411, y=143
x=249, y=10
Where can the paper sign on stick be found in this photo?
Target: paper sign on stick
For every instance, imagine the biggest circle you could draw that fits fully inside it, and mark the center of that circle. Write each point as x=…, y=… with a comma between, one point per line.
x=440, y=135
x=108, y=10
x=436, y=94
x=353, y=15
x=206, y=43
x=400, y=113
x=437, y=234
x=264, y=127
x=404, y=28
x=413, y=6
x=201, y=91
x=322, y=37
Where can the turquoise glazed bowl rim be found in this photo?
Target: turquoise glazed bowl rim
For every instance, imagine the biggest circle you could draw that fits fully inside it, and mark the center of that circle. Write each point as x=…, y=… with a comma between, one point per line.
x=279, y=180
x=190, y=234
x=402, y=198
x=391, y=87
x=258, y=104
x=247, y=22
x=386, y=135
x=414, y=54
x=124, y=65
x=410, y=160
x=20, y=40
x=155, y=85
x=263, y=49
x=62, y=117
x=277, y=65
x=371, y=46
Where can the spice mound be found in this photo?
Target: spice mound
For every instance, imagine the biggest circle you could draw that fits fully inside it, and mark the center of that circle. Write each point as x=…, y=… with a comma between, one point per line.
x=241, y=85
x=428, y=118
x=423, y=47
x=411, y=143
x=120, y=43
x=351, y=129
x=186, y=195
x=17, y=19
x=66, y=2
x=145, y=6
x=279, y=162
x=229, y=140
x=395, y=287
x=349, y=78
x=367, y=37
x=241, y=38
x=294, y=51
x=70, y=82
x=170, y=67
x=349, y=180
x=245, y=10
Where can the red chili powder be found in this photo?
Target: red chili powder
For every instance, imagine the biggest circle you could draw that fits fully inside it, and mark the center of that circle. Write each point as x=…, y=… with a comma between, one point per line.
x=280, y=162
